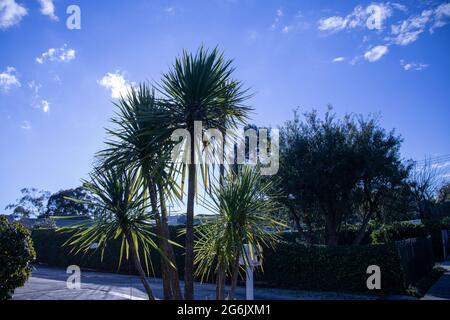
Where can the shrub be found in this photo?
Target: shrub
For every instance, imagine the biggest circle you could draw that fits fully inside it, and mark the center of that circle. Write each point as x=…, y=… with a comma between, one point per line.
x=398, y=231
x=16, y=254
x=323, y=268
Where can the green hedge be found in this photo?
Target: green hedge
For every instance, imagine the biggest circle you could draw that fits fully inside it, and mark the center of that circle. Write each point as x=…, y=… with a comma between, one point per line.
x=16, y=254
x=321, y=268
x=398, y=231
x=50, y=250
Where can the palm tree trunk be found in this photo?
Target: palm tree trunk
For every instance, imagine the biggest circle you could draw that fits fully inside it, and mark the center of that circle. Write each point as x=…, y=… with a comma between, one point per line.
x=167, y=289
x=170, y=255
x=189, y=258
x=234, y=278
x=139, y=269
x=220, y=282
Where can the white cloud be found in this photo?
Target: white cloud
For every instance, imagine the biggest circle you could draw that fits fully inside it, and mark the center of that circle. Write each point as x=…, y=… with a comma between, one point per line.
x=48, y=9
x=278, y=16
x=116, y=83
x=25, y=125
x=441, y=14
x=376, y=53
x=286, y=29
x=11, y=13
x=62, y=54
x=335, y=23
x=35, y=87
x=44, y=106
x=372, y=17
x=8, y=79
x=338, y=59
x=413, y=66
x=409, y=30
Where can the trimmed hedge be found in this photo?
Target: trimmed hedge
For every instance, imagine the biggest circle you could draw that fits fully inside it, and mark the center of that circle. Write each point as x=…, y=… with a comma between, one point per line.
x=321, y=268
x=291, y=265
x=398, y=231
x=16, y=254
x=50, y=250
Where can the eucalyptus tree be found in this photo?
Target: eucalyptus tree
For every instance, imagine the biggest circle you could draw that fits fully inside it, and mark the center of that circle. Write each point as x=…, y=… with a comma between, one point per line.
x=122, y=214
x=200, y=87
x=140, y=139
x=244, y=204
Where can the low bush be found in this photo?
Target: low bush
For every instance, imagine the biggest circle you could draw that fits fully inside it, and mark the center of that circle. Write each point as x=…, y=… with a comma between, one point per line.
x=16, y=254
x=322, y=268
x=398, y=231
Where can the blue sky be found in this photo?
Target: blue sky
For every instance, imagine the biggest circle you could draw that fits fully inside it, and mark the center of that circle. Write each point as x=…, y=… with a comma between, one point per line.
x=56, y=84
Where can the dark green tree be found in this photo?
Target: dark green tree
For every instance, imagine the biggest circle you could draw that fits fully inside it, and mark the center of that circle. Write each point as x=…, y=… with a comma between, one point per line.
x=59, y=204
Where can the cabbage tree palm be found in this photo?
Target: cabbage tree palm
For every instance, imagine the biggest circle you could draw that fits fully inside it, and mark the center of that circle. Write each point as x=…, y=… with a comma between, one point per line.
x=140, y=139
x=200, y=87
x=244, y=204
x=122, y=214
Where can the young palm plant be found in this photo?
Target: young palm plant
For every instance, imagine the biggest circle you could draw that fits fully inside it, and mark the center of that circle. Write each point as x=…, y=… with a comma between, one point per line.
x=122, y=214
x=200, y=88
x=244, y=205
x=141, y=139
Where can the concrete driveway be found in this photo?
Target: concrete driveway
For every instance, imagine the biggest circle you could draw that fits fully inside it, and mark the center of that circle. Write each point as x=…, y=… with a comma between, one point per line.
x=48, y=283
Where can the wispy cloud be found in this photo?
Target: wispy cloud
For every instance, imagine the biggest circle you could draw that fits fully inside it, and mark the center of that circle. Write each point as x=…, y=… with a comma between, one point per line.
x=48, y=9
x=279, y=14
x=116, y=83
x=8, y=79
x=338, y=59
x=413, y=66
x=25, y=125
x=11, y=13
x=62, y=54
x=371, y=17
x=376, y=53
x=410, y=29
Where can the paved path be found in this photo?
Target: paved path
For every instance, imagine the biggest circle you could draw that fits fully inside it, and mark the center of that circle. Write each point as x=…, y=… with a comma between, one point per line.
x=441, y=289
x=47, y=283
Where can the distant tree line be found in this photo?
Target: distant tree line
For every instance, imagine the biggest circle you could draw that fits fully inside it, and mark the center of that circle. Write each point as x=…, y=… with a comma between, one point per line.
x=43, y=204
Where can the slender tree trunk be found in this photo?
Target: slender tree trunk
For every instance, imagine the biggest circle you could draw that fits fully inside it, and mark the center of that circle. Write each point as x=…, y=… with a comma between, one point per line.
x=167, y=288
x=220, y=282
x=139, y=269
x=170, y=255
x=221, y=274
x=189, y=257
x=234, y=278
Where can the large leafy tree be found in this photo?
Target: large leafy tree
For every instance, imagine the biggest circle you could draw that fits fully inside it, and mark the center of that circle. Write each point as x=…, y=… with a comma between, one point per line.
x=140, y=139
x=382, y=175
x=335, y=171
x=119, y=194
x=59, y=204
x=200, y=87
x=244, y=204
x=317, y=168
